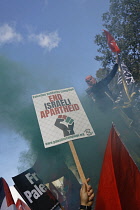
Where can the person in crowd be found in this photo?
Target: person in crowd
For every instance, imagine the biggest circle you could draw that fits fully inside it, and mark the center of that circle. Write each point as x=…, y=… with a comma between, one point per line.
x=99, y=91
x=86, y=196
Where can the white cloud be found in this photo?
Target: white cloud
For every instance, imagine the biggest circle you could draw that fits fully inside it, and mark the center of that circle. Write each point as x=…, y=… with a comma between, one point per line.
x=9, y=35
x=47, y=41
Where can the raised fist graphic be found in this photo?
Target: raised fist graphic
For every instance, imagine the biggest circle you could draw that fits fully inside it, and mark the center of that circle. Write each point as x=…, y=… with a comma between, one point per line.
x=66, y=124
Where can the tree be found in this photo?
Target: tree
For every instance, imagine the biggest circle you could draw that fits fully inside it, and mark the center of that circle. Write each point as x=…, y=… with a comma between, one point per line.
x=122, y=21
x=101, y=73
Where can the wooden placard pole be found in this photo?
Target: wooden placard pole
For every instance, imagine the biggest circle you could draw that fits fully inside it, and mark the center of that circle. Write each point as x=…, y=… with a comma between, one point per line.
x=77, y=162
x=78, y=165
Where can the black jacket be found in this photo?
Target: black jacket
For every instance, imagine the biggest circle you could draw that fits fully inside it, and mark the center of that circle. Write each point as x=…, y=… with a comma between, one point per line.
x=100, y=90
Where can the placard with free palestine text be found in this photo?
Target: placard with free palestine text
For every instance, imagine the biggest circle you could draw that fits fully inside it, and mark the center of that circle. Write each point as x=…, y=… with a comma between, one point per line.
x=34, y=192
x=61, y=117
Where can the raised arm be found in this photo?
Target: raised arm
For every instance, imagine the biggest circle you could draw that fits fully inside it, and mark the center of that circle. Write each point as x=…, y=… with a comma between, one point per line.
x=110, y=76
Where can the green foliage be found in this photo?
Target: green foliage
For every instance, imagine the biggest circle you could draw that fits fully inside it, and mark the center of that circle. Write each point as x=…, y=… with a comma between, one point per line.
x=122, y=21
x=101, y=73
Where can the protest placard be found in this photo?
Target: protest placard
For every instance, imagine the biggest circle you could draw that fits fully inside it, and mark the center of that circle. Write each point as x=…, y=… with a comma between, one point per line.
x=61, y=117
x=34, y=192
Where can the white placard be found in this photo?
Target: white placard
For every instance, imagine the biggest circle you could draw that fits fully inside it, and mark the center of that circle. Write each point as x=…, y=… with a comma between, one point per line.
x=61, y=117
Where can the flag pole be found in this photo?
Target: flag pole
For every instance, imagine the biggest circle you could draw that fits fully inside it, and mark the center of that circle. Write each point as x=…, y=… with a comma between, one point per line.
x=77, y=162
x=114, y=47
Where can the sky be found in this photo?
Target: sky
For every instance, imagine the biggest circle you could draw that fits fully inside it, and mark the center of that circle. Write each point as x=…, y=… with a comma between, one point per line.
x=44, y=45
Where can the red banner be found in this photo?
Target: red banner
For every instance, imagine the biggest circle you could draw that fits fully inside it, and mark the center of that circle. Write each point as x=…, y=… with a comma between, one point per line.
x=119, y=185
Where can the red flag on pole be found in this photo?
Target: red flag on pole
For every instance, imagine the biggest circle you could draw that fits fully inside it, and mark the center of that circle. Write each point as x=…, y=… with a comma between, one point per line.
x=111, y=42
x=21, y=205
x=119, y=185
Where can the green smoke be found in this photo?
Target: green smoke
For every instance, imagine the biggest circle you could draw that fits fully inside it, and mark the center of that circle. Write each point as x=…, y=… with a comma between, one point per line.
x=18, y=114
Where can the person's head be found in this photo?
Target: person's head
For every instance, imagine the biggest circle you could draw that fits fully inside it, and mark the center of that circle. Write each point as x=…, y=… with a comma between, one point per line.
x=90, y=80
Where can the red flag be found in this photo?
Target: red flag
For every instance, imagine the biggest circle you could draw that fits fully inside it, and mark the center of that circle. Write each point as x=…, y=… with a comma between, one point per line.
x=6, y=199
x=21, y=205
x=119, y=185
x=111, y=42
